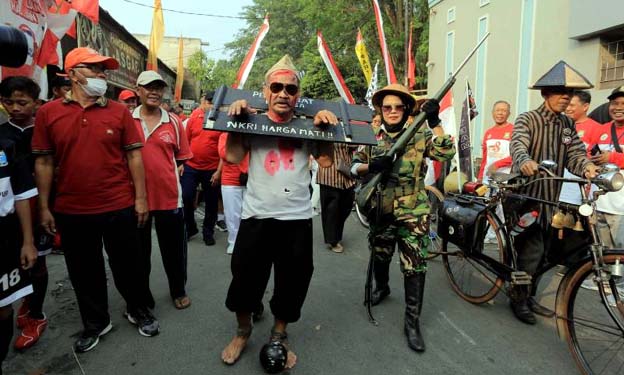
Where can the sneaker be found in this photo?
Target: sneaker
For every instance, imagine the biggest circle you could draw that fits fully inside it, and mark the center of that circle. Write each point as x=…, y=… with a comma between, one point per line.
x=221, y=226
x=31, y=331
x=22, y=315
x=191, y=232
x=88, y=341
x=145, y=321
x=209, y=241
x=337, y=248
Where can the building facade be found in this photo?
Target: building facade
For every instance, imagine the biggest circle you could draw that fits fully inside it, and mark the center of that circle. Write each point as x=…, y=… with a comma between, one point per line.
x=527, y=37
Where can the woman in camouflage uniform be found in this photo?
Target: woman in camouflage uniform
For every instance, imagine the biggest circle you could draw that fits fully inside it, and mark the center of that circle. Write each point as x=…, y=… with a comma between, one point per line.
x=407, y=221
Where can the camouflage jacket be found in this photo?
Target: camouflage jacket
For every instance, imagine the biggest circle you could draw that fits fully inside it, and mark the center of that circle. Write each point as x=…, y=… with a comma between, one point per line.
x=408, y=197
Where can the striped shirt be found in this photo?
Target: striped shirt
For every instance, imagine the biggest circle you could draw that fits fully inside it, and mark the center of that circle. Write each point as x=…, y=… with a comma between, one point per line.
x=544, y=135
x=331, y=176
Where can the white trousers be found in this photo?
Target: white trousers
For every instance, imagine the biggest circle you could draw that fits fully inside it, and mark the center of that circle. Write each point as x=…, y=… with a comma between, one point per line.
x=232, y=208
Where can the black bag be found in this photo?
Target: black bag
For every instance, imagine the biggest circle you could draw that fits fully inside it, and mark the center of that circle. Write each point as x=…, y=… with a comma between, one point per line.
x=461, y=220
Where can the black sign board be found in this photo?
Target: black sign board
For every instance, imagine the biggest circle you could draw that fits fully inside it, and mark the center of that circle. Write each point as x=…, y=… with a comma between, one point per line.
x=353, y=126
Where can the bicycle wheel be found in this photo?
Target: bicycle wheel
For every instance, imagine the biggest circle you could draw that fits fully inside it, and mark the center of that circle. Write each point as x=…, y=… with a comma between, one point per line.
x=435, y=199
x=471, y=280
x=588, y=324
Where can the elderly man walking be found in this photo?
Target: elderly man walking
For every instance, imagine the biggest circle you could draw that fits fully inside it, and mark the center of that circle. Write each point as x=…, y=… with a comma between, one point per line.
x=100, y=193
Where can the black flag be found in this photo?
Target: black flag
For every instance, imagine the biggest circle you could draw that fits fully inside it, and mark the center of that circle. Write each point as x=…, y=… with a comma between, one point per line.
x=469, y=112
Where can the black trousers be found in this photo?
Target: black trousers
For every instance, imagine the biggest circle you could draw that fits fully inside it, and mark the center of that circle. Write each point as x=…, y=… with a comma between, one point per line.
x=336, y=205
x=531, y=247
x=285, y=245
x=189, y=181
x=171, y=234
x=83, y=237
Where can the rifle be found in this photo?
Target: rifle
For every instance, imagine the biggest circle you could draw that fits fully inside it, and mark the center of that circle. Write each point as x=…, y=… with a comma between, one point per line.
x=367, y=193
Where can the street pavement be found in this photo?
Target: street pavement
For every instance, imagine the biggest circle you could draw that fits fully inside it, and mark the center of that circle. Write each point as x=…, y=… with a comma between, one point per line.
x=333, y=336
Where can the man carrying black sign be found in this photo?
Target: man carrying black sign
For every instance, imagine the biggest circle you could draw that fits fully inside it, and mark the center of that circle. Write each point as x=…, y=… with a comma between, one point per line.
x=276, y=226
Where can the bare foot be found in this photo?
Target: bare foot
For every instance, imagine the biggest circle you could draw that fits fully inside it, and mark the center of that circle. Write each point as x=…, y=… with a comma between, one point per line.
x=291, y=360
x=233, y=351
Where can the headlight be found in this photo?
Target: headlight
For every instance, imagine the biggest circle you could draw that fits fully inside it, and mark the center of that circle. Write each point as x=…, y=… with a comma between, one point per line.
x=610, y=167
x=610, y=181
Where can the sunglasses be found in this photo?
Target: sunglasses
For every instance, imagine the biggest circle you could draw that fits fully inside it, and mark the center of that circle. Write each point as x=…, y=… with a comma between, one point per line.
x=93, y=68
x=277, y=87
x=390, y=108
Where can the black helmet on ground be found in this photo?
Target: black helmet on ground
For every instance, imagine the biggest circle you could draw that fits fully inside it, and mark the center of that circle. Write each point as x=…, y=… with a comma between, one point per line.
x=273, y=357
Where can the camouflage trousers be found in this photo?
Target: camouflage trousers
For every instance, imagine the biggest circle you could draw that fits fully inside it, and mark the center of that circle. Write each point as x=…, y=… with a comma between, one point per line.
x=411, y=234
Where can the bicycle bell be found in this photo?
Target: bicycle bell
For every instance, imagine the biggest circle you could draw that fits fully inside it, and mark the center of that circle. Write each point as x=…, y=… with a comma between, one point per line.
x=585, y=210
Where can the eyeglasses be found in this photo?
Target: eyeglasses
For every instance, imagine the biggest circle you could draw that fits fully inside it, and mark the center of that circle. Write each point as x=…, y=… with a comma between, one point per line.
x=277, y=87
x=390, y=108
x=93, y=68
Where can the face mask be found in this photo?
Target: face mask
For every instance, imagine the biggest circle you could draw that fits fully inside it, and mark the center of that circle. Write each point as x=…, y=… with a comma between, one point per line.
x=94, y=87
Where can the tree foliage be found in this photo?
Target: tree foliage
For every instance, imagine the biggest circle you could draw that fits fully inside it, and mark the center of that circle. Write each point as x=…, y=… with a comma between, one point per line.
x=293, y=28
x=210, y=73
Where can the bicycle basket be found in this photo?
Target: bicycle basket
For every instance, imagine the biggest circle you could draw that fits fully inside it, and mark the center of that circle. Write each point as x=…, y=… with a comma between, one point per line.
x=461, y=220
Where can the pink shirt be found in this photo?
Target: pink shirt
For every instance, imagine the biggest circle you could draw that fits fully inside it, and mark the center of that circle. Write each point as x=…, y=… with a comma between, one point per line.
x=163, y=146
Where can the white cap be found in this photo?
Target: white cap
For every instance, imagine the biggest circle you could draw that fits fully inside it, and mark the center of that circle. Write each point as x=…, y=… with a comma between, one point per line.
x=149, y=76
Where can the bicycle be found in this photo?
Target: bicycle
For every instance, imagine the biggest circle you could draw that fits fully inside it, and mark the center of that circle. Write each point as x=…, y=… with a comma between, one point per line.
x=590, y=320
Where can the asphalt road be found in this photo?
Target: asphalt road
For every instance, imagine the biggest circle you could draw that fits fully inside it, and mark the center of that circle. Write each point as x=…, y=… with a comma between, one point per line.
x=333, y=336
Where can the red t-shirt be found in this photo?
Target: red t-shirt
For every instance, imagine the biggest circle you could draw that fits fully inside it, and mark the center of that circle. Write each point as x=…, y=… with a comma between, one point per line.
x=89, y=146
x=230, y=173
x=203, y=143
x=585, y=128
x=495, y=147
x=166, y=144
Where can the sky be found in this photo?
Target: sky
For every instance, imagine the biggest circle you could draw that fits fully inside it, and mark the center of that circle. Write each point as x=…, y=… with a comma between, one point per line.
x=214, y=31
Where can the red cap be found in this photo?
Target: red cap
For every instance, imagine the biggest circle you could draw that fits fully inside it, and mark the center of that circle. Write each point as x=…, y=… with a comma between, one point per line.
x=86, y=55
x=126, y=94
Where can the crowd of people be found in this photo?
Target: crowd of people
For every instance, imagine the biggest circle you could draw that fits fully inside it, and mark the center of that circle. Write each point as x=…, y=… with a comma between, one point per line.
x=100, y=173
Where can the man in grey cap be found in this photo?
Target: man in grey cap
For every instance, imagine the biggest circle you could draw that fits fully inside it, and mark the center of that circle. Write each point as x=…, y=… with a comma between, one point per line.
x=164, y=152
x=545, y=134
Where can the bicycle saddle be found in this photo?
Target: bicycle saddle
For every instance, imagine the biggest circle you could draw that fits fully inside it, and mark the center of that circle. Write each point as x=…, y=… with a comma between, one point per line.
x=503, y=177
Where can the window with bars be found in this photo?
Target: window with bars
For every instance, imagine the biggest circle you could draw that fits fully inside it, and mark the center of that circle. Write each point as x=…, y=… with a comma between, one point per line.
x=612, y=61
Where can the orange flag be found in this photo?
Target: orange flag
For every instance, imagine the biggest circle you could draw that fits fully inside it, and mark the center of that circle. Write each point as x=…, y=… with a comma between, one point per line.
x=156, y=36
x=180, y=77
x=88, y=8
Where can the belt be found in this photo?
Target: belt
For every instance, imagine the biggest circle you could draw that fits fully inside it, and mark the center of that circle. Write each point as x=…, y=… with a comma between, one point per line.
x=402, y=191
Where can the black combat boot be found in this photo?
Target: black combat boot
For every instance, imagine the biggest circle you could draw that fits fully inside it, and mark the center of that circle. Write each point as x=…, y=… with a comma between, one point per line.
x=414, y=293
x=382, y=290
x=519, y=302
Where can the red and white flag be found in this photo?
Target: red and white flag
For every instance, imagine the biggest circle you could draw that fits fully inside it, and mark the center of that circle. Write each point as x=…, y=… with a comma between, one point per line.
x=382, y=42
x=411, y=64
x=245, y=68
x=333, y=69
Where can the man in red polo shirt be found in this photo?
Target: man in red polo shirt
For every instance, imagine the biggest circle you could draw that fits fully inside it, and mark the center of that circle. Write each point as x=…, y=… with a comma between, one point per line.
x=100, y=193
x=203, y=168
x=165, y=147
x=495, y=145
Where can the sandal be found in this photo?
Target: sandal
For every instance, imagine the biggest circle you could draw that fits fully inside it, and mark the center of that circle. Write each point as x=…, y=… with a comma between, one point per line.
x=182, y=303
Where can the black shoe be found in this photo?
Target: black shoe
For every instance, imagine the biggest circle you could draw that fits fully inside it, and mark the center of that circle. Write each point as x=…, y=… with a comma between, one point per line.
x=379, y=294
x=221, y=226
x=209, y=241
x=145, y=321
x=88, y=341
x=522, y=312
x=191, y=232
x=539, y=309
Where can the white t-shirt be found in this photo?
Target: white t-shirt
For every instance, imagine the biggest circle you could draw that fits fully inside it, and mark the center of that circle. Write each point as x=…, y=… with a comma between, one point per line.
x=279, y=179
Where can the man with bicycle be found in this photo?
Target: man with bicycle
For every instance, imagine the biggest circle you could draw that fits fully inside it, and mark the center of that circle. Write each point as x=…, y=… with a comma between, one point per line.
x=407, y=219
x=545, y=134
